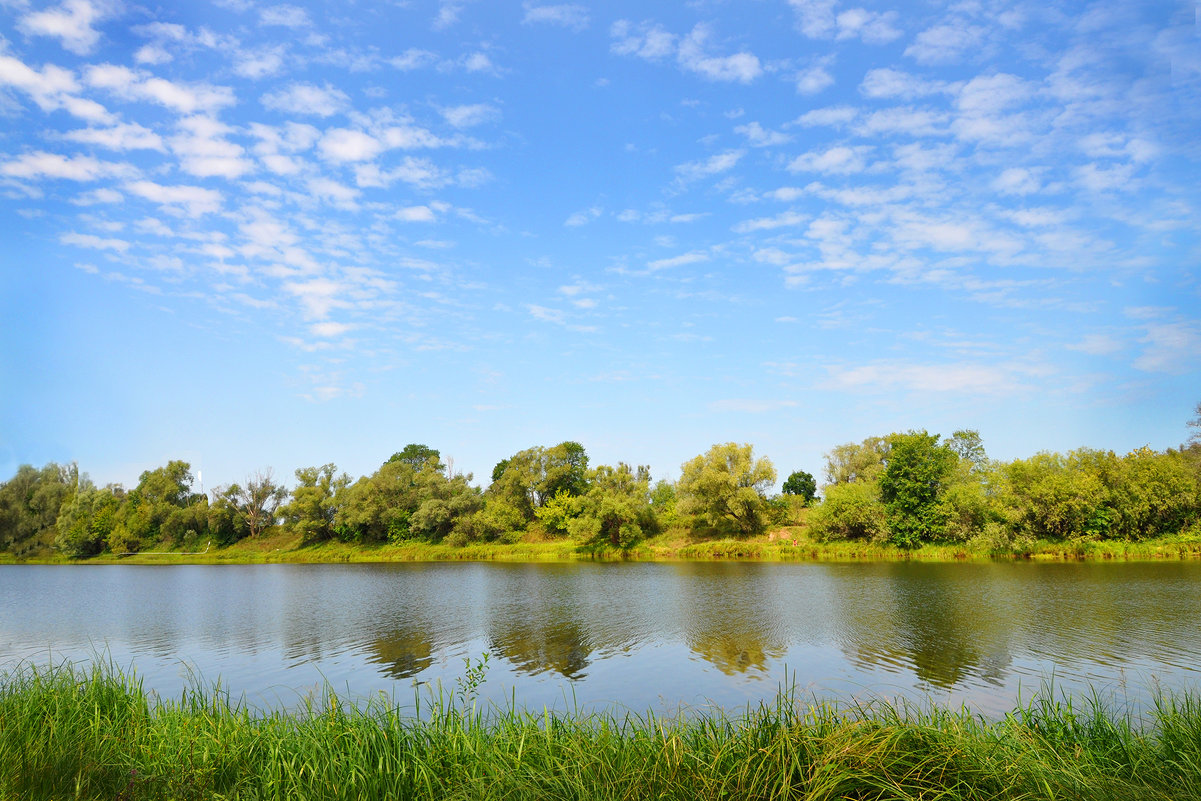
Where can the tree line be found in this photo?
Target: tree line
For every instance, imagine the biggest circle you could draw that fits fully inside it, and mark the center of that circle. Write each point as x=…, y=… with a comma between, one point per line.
x=904, y=489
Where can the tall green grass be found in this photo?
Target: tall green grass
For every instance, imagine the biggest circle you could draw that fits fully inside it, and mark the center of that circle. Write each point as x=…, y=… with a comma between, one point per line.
x=73, y=733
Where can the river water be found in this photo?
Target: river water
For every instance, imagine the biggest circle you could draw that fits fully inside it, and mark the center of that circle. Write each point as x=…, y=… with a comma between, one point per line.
x=664, y=636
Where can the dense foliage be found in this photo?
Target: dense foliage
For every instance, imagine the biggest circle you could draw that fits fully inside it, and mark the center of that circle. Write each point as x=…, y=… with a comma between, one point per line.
x=904, y=489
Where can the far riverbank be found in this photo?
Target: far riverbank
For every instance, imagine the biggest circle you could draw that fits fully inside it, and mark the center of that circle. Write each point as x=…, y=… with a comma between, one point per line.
x=783, y=544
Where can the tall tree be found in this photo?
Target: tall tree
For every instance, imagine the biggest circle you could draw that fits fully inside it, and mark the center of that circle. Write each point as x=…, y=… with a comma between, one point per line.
x=912, y=486
x=727, y=486
x=616, y=509
x=801, y=484
x=532, y=477
x=314, y=505
x=259, y=501
x=856, y=461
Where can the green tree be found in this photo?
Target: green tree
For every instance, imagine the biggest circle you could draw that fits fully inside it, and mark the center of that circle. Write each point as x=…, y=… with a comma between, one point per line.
x=1048, y=497
x=664, y=500
x=967, y=445
x=30, y=503
x=444, y=502
x=856, y=462
x=530, y=478
x=153, y=504
x=87, y=519
x=315, y=500
x=802, y=485
x=226, y=524
x=616, y=509
x=415, y=456
x=912, y=484
x=850, y=511
x=259, y=501
x=727, y=486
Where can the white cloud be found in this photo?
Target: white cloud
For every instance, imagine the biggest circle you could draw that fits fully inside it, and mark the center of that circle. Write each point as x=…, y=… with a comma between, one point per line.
x=285, y=16
x=344, y=144
x=416, y=214
x=413, y=58
x=583, y=217
x=742, y=67
x=885, y=82
x=260, y=63
x=478, y=62
x=1017, y=181
x=125, y=136
x=646, y=40
x=812, y=80
x=718, y=163
x=138, y=85
x=1097, y=345
x=335, y=193
x=903, y=121
x=692, y=257
x=943, y=44
x=52, y=88
x=831, y=116
x=317, y=296
x=546, y=315
x=98, y=196
x=307, y=98
x=1170, y=347
x=817, y=20
x=94, y=242
x=569, y=16
x=1097, y=178
x=469, y=115
x=418, y=172
x=330, y=329
x=153, y=54
x=838, y=160
x=781, y=220
x=70, y=23
x=758, y=136
x=195, y=200
x=40, y=164
x=448, y=14
x=204, y=151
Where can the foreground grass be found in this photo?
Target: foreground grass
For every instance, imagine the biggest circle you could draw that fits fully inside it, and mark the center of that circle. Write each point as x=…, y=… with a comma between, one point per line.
x=66, y=733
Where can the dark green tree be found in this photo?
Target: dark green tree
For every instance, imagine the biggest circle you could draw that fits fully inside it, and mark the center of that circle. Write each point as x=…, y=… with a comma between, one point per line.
x=415, y=456
x=912, y=485
x=801, y=484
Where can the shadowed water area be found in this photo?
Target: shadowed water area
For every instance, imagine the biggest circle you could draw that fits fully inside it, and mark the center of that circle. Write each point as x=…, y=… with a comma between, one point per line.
x=637, y=635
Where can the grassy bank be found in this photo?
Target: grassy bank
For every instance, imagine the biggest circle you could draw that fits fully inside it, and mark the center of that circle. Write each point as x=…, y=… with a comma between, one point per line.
x=70, y=734
x=781, y=544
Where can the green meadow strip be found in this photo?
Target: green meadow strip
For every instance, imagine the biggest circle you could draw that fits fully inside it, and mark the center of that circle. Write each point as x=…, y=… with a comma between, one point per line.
x=72, y=733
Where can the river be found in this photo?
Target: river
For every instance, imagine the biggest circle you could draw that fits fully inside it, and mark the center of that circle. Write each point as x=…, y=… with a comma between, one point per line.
x=658, y=636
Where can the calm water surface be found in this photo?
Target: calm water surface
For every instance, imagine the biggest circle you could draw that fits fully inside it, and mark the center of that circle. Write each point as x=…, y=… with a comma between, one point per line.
x=639, y=636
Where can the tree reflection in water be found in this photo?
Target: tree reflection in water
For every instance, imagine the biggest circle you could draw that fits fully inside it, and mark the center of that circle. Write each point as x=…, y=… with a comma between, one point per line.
x=730, y=622
x=402, y=652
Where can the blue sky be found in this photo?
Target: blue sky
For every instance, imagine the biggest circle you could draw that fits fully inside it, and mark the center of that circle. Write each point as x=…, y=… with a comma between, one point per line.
x=254, y=235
